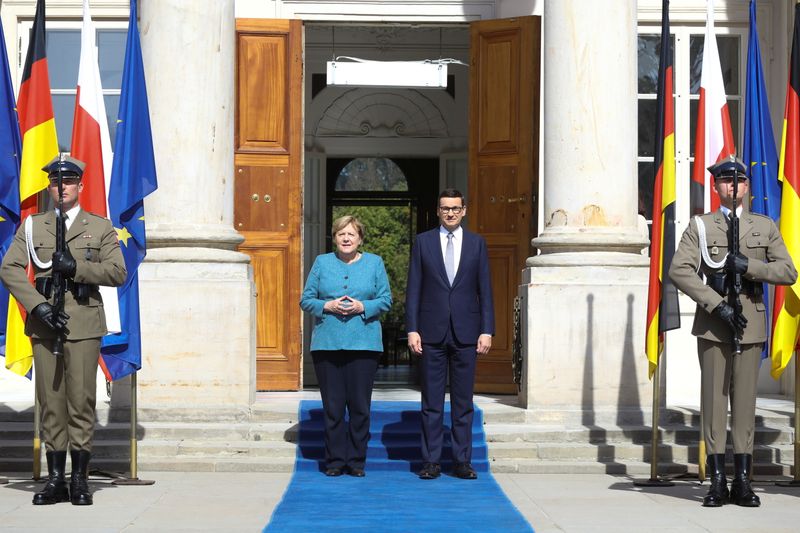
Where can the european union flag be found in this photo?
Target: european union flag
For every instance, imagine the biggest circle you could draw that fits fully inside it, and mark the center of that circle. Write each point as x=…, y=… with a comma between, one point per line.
x=133, y=176
x=759, y=142
x=10, y=151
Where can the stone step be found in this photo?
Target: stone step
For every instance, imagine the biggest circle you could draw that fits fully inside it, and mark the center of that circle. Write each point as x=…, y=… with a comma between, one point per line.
x=283, y=432
x=631, y=434
x=775, y=414
x=186, y=448
x=621, y=452
x=639, y=469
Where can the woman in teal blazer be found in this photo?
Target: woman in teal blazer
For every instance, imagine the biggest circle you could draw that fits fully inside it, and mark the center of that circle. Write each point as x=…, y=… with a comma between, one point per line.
x=346, y=292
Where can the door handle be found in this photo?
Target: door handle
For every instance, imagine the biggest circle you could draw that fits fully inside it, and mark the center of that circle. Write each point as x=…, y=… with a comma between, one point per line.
x=521, y=199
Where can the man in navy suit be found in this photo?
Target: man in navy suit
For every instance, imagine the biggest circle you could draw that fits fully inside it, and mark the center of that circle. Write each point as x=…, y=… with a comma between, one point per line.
x=450, y=320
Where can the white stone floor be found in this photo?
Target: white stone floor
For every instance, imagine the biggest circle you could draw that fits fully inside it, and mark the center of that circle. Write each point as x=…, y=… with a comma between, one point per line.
x=220, y=502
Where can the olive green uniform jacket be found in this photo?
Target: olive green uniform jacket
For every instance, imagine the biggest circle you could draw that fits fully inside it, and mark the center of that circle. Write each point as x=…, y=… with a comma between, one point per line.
x=93, y=243
x=769, y=261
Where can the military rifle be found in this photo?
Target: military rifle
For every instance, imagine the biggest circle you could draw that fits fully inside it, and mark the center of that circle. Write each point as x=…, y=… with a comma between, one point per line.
x=735, y=278
x=59, y=282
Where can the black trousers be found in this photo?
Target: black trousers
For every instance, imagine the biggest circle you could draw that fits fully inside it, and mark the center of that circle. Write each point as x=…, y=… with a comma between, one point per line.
x=436, y=361
x=345, y=382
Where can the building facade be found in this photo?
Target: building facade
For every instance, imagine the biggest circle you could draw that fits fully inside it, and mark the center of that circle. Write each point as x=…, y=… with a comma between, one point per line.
x=546, y=123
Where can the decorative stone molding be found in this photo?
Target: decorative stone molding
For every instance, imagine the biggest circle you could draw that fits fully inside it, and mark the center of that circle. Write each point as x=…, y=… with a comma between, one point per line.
x=367, y=113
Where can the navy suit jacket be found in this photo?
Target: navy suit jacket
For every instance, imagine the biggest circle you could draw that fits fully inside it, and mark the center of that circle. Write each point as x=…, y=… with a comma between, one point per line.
x=432, y=304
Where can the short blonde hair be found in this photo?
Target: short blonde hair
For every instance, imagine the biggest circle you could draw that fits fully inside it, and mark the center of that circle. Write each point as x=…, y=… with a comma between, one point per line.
x=342, y=222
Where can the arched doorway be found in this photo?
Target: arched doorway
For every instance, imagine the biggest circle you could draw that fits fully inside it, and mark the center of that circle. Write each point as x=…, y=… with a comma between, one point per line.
x=395, y=198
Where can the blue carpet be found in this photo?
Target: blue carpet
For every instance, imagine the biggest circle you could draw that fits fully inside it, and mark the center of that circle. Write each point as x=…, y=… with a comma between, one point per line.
x=391, y=498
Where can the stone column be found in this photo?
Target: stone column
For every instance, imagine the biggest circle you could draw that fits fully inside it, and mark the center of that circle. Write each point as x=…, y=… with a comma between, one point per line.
x=585, y=294
x=197, y=293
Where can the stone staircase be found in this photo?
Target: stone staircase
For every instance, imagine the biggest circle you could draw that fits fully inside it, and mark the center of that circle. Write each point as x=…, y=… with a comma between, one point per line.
x=263, y=439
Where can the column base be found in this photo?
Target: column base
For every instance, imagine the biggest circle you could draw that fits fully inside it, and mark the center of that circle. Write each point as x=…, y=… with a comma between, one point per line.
x=198, y=336
x=193, y=236
x=583, y=328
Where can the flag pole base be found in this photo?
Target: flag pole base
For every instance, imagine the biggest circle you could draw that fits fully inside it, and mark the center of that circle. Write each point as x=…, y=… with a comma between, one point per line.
x=119, y=479
x=653, y=482
x=795, y=483
x=133, y=481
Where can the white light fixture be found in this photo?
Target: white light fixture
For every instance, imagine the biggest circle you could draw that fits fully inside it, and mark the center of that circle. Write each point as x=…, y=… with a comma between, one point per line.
x=427, y=73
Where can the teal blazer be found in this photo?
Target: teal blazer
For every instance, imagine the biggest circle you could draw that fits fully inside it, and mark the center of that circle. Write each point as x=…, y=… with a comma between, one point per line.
x=366, y=281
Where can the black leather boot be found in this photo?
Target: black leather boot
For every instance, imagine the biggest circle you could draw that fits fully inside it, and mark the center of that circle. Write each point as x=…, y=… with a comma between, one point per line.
x=741, y=492
x=55, y=491
x=79, y=484
x=718, y=492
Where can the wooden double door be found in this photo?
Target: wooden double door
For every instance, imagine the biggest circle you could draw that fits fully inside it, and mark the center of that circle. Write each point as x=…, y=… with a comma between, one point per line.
x=502, y=185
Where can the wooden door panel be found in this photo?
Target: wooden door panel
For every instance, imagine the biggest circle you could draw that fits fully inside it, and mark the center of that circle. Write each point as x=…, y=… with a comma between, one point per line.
x=497, y=191
x=498, y=129
x=263, y=123
x=267, y=189
x=269, y=270
x=504, y=145
x=503, y=264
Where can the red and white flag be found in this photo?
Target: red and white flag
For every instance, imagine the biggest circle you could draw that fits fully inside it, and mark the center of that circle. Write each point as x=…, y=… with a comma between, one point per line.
x=91, y=143
x=714, y=136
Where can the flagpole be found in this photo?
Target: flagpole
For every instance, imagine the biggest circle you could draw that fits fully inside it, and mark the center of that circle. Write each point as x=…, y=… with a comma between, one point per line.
x=795, y=482
x=133, y=479
x=654, y=480
x=37, y=440
x=701, y=451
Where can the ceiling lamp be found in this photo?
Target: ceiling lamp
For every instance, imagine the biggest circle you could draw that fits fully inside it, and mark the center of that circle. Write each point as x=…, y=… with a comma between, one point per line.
x=428, y=73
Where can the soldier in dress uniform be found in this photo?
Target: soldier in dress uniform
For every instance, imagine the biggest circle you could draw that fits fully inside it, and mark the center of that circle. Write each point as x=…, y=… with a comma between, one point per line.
x=728, y=377
x=66, y=384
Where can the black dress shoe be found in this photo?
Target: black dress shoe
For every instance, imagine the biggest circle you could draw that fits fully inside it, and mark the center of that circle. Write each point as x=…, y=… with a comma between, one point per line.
x=333, y=471
x=356, y=472
x=465, y=471
x=430, y=471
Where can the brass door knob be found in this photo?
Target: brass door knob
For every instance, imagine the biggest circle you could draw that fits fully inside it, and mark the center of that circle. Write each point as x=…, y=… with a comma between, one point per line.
x=254, y=197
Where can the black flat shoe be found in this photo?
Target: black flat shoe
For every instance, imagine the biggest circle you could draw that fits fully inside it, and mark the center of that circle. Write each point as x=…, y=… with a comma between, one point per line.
x=357, y=472
x=333, y=472
x=465, y=471
x=430, y=471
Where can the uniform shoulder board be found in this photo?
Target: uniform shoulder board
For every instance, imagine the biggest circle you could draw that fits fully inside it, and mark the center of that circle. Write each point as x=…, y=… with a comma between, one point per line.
x=92, y=215
x=760, y=215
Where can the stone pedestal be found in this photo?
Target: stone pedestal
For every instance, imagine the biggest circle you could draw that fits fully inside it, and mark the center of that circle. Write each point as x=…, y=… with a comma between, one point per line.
x=197, y=292
x=585, y=295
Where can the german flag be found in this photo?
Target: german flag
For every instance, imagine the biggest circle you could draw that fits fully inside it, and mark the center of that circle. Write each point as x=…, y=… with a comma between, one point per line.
x=662, y=297
x=39, y=146
x=786, y=313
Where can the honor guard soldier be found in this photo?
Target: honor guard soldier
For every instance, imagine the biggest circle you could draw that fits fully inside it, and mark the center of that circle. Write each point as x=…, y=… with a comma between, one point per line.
x=65, y=334
x=730, y=320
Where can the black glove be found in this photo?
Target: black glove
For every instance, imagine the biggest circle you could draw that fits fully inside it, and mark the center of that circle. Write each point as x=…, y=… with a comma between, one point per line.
x=736, y=263
x=736, y=321
x=46, y=313
x=64, y=263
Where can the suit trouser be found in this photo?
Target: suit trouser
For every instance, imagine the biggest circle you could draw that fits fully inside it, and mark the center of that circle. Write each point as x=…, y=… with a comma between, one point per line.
x=66, y=388
x=435, y=362
x=345, y=382
x=728, y=379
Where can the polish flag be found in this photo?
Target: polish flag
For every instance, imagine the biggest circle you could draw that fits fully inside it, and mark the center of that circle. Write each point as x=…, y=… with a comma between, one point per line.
x=91, y=143
x=714, y=136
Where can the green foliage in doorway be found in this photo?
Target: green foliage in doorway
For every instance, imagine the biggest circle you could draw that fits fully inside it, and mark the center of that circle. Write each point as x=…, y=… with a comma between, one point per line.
x=388, y=234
